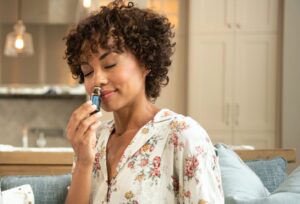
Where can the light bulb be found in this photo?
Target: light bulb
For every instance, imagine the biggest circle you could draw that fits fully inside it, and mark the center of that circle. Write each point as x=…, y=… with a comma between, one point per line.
x=87, y=3
x=19, y=43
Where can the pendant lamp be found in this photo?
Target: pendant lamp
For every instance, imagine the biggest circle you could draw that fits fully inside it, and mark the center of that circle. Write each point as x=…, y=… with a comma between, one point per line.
x=18, y=41
x=87, y=3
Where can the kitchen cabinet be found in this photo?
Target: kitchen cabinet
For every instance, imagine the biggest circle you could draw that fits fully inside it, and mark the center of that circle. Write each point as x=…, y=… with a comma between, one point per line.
x=221, y=16
x=233, y=70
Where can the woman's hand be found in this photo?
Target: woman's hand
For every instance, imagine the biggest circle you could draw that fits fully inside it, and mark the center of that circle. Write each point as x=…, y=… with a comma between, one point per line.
x=81, y=132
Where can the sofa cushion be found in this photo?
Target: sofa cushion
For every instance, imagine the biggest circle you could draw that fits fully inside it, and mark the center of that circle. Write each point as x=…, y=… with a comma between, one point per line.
x=291, y=184
x=277, y=198
x=272, y=172
x=46, y=189
x=238, y=180
x=241, y=190
x=287, y=192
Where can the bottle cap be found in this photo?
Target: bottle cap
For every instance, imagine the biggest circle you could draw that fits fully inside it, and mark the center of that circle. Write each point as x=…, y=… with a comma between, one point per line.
x=97, y=90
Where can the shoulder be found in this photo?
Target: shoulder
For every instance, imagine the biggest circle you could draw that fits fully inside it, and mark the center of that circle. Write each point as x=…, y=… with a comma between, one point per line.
x=188, y=133
x=187, y=127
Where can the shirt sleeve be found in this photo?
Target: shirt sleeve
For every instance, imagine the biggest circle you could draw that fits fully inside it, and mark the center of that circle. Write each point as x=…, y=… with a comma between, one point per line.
x=197, y=166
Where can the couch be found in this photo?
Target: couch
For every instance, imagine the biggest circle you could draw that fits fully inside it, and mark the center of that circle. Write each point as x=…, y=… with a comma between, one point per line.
x=243, y=182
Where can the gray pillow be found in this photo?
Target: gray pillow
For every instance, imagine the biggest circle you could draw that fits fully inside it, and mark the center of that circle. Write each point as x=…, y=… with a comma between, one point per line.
x=272, y=172
x=46, y=189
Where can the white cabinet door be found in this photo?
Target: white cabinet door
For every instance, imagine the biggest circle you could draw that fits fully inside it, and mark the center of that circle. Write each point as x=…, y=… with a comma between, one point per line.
x=254, y=88
x=230, y=15
x=256, y=15
x=211, y=15
x=209, y=87
x=232, y=69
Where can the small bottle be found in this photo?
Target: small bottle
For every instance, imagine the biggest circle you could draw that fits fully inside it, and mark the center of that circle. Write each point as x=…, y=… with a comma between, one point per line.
x=96, y=98
x=41, y=141
x=25, y=137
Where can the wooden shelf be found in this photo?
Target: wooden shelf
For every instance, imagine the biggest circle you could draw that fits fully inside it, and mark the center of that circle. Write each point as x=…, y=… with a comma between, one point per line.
x=52, y=163
x=288, y=154
x=42, y=96
x=35, y=163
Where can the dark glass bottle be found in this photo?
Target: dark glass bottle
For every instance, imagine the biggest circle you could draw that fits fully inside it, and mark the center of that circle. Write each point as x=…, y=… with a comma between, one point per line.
x=96, y=98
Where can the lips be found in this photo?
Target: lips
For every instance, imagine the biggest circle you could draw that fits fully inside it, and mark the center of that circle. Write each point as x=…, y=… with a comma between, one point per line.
x=107, y=93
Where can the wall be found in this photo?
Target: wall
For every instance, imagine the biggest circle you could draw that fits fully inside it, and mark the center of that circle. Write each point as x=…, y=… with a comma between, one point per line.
x=291, y=76
x=36, y=112
x=173, y=96
x=45, y=66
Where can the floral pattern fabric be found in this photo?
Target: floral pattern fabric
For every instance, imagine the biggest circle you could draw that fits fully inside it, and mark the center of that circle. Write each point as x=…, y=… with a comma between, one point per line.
x=170, y=160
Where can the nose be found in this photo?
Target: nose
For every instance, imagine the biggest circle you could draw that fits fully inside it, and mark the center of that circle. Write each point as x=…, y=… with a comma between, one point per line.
x=100, y=77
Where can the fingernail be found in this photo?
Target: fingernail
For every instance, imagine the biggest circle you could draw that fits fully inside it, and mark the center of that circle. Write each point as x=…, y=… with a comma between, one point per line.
x=94, y=106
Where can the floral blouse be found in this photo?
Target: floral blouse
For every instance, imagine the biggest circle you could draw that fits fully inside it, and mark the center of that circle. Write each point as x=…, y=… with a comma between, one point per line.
x=170, y=160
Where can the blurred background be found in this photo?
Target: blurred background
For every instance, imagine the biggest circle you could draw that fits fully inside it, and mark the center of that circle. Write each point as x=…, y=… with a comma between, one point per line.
x=236, y=69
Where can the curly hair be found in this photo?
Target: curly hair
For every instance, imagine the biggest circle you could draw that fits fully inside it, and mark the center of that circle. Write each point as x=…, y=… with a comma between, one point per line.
x=146, y=34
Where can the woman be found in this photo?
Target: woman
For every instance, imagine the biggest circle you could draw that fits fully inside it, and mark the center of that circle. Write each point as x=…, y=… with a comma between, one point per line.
x=145, y=154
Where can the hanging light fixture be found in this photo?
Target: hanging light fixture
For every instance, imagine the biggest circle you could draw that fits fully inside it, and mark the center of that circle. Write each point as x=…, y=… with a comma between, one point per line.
x=18, y=41
x=87, y=3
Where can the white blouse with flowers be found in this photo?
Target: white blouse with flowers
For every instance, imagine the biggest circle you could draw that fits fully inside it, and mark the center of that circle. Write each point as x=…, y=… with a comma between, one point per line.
x=170, y=160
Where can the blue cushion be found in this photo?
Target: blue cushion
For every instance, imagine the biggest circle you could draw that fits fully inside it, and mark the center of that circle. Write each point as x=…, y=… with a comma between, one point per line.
x=272, y=172
x=46, y=189
x=238, y=180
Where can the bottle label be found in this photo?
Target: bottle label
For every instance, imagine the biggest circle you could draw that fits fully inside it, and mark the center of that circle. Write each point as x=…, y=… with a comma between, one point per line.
x=96, y=100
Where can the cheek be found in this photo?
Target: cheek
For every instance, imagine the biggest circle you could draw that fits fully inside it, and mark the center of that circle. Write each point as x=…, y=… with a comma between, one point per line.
x=132, y=74
x=120, y=78
x=88, y=87
x=125, y=76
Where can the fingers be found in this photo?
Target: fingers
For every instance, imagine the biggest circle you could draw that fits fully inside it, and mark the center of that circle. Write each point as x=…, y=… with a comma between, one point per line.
x=78, y=115
x=81, y=131
x=82, y=112
x=88, y=123
x=90, y=134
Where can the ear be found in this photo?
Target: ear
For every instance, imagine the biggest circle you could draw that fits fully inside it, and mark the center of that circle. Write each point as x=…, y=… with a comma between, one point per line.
x=146, y=72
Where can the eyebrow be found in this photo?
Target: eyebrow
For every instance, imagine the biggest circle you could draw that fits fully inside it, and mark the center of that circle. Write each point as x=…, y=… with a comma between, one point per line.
x=104, y=55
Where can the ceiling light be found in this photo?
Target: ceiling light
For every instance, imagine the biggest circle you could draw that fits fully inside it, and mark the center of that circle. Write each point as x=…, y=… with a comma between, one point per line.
x=18, y=41
x=87, y=3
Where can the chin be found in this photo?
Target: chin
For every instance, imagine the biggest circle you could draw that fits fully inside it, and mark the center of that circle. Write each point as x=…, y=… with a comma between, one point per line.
x=109, y=108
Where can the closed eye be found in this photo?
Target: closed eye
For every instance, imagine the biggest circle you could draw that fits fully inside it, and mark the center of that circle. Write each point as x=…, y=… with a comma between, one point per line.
x=88, y=74
x=109, y=66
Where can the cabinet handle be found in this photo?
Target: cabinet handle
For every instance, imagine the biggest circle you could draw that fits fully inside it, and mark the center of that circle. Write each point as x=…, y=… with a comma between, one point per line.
x=238, y=26
x=228, y=25
x=237, y=114
x=227, y=114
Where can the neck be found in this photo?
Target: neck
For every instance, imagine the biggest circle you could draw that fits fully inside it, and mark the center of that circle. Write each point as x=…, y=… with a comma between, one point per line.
x=134, y=117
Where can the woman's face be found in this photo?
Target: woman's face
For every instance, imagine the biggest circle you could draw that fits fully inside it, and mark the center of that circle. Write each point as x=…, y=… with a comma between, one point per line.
x=120, y=76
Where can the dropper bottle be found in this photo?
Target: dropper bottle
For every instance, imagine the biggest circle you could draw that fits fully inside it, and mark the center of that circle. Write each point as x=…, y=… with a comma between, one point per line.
x=96, y=98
